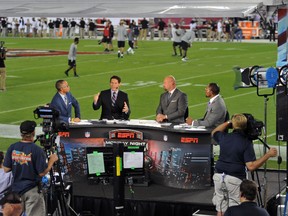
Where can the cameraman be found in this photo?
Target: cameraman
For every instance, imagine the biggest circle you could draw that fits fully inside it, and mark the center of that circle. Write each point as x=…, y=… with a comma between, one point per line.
x=27, y=161
x=237, y=155
x=2, y=66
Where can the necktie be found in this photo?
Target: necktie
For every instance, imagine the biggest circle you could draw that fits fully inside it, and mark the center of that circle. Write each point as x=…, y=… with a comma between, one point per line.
x=113, y=99
x=65, y=100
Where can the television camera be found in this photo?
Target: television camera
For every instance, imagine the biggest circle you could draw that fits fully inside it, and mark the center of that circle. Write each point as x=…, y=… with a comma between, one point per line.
x=57, y=195
x=254, y=127
x=50, y=125
x=3, y=50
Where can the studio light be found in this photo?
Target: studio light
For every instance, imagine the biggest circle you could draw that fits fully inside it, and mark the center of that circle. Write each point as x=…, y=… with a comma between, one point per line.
x=256, y=76
x=283, y=73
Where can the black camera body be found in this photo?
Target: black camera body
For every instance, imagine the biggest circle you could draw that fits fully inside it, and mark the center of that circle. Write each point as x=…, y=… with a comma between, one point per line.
x=50, y=126
x=3, y=50
x=254, y=127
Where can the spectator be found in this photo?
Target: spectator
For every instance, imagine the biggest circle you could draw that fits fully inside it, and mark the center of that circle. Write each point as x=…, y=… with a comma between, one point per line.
x=5, y=180
x=248, y=206
x=161, y=26
x=12, y=205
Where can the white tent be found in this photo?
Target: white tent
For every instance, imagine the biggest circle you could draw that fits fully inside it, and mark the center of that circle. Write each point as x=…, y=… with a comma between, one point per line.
x=131, y=8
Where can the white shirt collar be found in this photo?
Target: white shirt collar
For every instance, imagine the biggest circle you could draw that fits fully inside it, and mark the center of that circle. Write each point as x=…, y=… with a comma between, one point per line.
x=172, y=91
x=213, y=98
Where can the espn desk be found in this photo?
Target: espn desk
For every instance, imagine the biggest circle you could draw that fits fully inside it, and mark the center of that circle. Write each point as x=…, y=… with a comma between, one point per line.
x=175, y=156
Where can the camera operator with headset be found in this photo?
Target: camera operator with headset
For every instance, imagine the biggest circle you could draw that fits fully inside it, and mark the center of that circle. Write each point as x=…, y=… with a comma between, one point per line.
x=3, y=51
x=27, y=161
x=237, y=155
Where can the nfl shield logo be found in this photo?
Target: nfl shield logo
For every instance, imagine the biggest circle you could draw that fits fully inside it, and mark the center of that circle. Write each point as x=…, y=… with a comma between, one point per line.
x=87, y=134
x=165, y=138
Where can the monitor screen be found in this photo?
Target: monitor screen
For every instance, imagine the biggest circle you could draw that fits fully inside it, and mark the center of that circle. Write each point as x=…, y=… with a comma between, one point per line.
x=100, y=161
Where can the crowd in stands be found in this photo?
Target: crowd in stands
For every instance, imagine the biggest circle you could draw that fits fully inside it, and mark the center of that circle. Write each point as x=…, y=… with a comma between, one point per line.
x=87, y=28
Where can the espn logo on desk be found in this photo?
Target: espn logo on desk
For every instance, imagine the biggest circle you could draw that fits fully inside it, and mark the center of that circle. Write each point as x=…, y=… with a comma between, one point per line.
x=189, y=140
x=64, y=134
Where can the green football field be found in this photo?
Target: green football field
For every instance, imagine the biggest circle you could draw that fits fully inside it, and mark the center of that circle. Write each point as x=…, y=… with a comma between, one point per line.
x=30, y=81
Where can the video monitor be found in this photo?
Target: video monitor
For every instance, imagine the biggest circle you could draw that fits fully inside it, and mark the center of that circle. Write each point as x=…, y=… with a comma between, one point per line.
x=133, y=161
x=100, y=161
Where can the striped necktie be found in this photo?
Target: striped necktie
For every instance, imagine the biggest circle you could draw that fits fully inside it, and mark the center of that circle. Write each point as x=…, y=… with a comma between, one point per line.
x=65, y=100
x=113, y=99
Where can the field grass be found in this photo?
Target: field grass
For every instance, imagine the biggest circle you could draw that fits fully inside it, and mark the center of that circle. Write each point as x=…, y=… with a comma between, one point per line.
x=31, y=80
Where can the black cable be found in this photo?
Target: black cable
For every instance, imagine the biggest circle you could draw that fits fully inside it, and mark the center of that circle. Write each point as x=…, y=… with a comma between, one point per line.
x=130, y=184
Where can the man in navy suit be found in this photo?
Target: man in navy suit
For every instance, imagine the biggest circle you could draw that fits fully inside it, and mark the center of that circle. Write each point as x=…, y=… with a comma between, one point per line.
x=115, y=103
x=173, y=103
x=216, y=112
x=63, y=101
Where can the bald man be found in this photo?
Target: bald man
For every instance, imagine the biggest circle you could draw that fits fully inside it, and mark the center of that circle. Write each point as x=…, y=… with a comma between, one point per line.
x=173, y=103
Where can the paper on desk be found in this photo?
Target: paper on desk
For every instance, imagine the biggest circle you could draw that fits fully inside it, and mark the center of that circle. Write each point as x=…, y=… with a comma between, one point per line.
x=189, y=127
x=82, y=122
x=151, y=123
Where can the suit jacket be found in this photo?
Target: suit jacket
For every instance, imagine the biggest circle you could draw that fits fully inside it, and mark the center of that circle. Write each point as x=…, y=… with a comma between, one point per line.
x=109, y=112
x=175, y=107
x=65, y=111
x=215, y=114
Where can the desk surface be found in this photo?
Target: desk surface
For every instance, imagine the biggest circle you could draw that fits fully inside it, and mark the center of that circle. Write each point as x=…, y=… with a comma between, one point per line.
x=138, y=123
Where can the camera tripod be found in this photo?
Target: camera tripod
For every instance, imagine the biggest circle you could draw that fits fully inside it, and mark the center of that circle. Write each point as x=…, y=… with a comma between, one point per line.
x=57, y=197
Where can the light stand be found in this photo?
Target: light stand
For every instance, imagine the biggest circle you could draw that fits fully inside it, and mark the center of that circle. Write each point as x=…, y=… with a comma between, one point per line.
x=261, y=78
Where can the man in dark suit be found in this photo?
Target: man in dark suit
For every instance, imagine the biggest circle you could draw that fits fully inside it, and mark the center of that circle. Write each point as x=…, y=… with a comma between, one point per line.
x=63, y=101
x=173, y=103
x=115, y=103
x=216, y=112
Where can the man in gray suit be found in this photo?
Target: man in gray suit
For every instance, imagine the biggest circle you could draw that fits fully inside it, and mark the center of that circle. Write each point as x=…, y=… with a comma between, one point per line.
x=216, y=112
x=173, y=103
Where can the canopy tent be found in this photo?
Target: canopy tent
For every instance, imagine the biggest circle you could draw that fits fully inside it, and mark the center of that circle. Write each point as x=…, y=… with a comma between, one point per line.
x=131, y=8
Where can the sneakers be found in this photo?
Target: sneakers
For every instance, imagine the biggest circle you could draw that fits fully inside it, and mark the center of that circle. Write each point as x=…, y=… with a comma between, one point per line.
x=184, y=59
x=119, y=54
x=76, y=75
x=66, y=72
x=174, y=54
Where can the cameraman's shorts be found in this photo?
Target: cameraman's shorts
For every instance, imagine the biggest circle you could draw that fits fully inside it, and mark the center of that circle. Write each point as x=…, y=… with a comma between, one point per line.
x=222, y=199
x=34, y=202
x=72, y=63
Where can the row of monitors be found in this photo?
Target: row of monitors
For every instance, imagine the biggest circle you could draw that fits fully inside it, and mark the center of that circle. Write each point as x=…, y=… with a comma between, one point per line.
x=100, y=161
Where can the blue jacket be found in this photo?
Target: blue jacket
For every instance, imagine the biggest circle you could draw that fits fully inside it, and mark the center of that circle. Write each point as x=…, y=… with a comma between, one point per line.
x=65, y=111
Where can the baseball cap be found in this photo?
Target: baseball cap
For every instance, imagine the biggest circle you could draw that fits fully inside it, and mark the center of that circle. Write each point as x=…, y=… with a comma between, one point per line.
x=27, y=127
x=11, y=197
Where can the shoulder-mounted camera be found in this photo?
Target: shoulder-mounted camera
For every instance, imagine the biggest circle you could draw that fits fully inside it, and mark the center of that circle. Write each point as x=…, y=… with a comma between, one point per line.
x=254, y=127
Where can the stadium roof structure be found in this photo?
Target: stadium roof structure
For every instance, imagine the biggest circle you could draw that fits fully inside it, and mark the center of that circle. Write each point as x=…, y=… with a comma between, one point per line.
x=132, y=8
